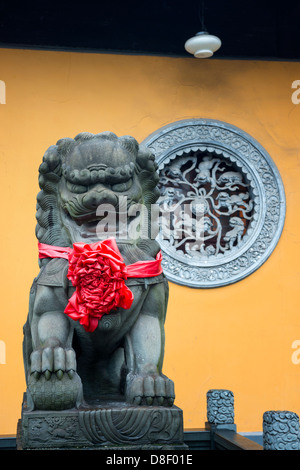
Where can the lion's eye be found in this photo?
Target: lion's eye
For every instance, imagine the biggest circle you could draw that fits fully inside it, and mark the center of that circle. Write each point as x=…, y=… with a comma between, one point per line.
x=76, y=188
x=122, y=186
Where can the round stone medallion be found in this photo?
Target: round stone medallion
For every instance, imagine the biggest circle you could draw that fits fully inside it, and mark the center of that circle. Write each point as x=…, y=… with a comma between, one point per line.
x=221, y=205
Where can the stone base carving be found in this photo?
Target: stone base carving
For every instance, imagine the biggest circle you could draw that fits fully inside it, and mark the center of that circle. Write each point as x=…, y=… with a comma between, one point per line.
x=109, y=425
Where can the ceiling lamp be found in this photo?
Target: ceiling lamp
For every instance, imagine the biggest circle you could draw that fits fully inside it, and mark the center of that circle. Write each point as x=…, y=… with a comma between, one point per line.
x=203, y=44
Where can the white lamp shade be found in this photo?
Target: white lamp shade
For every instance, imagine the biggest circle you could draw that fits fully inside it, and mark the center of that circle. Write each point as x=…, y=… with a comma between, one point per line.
x=202, y=45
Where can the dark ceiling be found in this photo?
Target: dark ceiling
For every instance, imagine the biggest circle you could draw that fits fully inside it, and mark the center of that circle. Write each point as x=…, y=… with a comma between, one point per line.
x=253, y=29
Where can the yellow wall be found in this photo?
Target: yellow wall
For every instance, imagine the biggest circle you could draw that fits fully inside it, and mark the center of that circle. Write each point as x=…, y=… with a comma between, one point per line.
x=237, y=337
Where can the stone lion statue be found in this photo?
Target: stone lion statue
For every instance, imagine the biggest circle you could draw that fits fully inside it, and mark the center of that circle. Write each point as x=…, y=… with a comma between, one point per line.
x=95, y=327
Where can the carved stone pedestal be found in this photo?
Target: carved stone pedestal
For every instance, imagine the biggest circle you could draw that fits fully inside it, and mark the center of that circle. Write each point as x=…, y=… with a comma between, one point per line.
x=108, y=425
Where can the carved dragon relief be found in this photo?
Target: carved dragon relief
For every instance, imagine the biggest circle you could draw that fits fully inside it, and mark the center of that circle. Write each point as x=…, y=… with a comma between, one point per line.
x=206, y=192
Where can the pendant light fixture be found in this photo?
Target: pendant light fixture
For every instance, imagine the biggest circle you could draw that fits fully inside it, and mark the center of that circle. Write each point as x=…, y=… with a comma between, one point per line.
x=203, y=44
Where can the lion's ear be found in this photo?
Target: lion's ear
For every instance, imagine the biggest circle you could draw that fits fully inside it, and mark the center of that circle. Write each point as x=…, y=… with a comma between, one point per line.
x=146, y=160
x=51, y=160
x=49, y=228
x=146, y=167
x=50, y=170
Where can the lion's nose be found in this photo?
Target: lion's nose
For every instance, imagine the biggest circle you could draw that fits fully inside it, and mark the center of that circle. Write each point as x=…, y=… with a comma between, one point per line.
x=94, y=198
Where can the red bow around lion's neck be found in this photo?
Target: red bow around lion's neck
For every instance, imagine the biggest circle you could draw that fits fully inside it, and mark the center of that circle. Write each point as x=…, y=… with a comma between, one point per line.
x=98, y=272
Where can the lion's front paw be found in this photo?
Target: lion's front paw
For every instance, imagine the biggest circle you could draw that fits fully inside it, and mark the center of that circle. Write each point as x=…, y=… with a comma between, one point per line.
x=53, y=383
x=51, y=360
x=149, y=390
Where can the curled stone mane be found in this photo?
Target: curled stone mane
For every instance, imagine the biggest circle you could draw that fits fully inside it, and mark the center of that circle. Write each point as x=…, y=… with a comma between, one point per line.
x=49, y=228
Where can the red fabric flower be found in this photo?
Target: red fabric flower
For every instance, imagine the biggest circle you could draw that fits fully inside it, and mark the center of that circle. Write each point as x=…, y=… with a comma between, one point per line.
x=98, y=272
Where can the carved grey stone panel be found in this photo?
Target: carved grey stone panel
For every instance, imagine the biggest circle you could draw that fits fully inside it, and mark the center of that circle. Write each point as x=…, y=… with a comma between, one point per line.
x=222, y=202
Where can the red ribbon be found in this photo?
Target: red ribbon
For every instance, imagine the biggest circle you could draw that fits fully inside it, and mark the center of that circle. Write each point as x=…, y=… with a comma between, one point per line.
x=98, y=272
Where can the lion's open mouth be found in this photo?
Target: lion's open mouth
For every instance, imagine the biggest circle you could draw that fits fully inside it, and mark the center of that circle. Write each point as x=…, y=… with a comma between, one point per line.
x=92, y=227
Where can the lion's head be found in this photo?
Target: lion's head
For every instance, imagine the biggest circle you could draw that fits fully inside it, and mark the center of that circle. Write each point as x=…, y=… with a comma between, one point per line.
x=92, y=181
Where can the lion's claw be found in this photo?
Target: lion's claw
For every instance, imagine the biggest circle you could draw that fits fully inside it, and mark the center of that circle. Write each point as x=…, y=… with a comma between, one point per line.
x=149, y=390
x=51, y=360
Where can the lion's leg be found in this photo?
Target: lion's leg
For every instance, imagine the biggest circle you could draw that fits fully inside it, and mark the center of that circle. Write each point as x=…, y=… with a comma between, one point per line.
x=52, y=381
x=53, y=353
x=144, y=351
